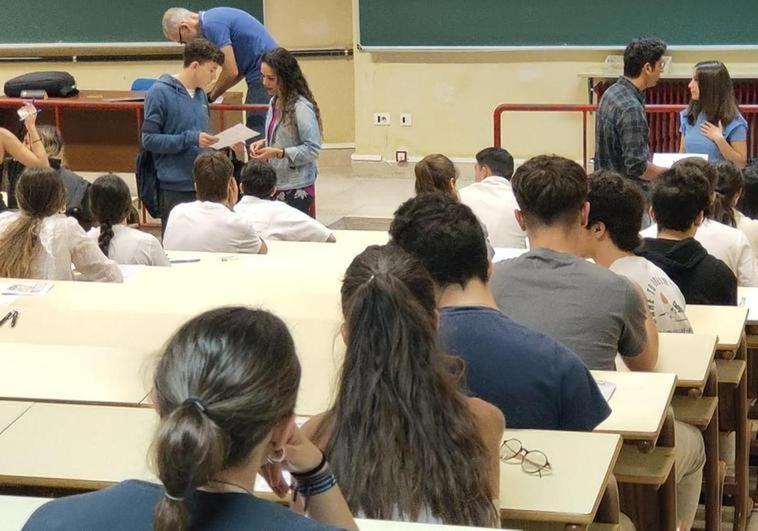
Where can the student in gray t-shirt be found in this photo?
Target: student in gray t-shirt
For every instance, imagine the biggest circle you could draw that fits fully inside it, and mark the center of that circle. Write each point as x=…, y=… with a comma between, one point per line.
x=591, y=310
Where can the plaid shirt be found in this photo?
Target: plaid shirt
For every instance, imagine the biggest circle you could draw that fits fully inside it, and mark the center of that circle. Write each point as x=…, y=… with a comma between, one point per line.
x=621, y=131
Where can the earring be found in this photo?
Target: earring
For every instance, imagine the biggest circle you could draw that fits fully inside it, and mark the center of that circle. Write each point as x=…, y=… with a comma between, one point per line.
x=277, y=458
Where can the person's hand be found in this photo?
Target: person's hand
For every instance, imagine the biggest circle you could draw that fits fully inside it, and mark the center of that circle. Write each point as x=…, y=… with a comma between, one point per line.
x=31, y=116
x=256, y=146
x=272, y=474
x=713, y=132
x=205, y=140
x=301, y=454
x=267, y=153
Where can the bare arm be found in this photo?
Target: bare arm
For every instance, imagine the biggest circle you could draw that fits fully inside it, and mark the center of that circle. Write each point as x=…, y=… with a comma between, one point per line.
x=681, y=145
x=735, y=152
x=229, y=75
x=648, y=358
x=491, y=424
x=31, y=158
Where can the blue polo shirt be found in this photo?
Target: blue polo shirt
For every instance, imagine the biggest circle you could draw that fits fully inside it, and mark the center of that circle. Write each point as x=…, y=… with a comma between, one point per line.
x=697, y=142
x=224, y=26
x=535, y=381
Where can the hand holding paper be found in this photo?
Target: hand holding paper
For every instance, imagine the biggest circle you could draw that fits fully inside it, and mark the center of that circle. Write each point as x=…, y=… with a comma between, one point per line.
x=233, y=135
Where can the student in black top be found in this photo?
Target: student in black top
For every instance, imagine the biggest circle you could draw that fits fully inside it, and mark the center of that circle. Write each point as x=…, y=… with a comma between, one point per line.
x=535, y=381
x=225, y=389
x=680, y=202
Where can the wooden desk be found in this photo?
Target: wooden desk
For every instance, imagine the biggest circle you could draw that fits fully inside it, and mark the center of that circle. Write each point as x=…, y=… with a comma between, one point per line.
x=101, y=134
x=689, y=356
x=365, y=524
x=16, y=510
x=748, y=298
x=10, y=412
x=571, y=493
x=638, y=404
x=727, y=322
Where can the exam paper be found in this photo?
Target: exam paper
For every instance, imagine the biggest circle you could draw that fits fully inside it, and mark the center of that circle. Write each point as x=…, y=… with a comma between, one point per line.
x=606, y=388
x=666, y=160
x=229, y=137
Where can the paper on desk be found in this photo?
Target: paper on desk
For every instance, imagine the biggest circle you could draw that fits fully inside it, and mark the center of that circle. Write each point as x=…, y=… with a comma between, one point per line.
x=666, y=160
x=233, y=135
x=606, y=388
x=38, y=288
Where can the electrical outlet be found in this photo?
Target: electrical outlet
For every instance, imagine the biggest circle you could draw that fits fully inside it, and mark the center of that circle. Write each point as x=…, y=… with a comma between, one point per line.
x=381, y=118
x=401, y=157
x=406, y=119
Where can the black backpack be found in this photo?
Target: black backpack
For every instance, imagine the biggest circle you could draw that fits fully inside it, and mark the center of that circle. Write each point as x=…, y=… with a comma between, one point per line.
x=147, y=182
x=56, y=84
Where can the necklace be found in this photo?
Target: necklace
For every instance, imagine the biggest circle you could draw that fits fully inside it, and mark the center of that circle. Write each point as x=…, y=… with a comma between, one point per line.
x=230, y=484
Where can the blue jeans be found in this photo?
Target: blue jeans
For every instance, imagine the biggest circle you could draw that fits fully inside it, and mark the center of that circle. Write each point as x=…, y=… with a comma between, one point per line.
x=256, y=120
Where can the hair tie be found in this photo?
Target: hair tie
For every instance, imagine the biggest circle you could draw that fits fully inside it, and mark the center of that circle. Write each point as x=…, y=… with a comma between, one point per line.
x=172, y=498
x=197, y=403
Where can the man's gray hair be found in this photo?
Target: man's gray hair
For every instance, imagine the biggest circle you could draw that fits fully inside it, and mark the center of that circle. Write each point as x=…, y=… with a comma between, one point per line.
x=173, y=17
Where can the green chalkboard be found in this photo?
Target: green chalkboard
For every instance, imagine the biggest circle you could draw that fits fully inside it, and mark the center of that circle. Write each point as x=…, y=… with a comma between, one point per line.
x=97, y=21
x=502, y=23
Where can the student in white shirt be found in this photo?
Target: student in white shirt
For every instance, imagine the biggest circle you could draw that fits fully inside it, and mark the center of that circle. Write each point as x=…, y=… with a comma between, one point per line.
x=209, y=224
x=111, y=203
x=41, y=243
x=612, y=230
x=492, y=200
x=272, y=219
x=729, y=191
x=726, y=243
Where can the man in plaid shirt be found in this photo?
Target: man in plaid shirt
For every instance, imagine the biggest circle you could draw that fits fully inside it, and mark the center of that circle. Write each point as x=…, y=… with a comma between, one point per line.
x=621, y=130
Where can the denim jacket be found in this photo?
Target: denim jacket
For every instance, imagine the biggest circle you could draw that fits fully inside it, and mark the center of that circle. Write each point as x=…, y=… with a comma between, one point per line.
x=301, y=142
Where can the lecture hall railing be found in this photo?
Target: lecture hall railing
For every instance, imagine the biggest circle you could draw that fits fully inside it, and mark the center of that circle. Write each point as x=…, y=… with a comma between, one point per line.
x=661, y=141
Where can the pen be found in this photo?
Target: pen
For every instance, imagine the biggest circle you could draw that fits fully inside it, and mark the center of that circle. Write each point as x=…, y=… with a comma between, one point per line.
x=186, y=261
x=14, y=319
x=4, y=319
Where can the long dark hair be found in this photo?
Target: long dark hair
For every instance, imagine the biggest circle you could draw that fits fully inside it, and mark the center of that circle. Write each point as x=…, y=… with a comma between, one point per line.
x=717, y=99
x=240, y=364
x=402, y=438
x=40, y=193
x=111, y=203
x=728, y=187
x=292, y=84
x=748, y=204
x=434, y=173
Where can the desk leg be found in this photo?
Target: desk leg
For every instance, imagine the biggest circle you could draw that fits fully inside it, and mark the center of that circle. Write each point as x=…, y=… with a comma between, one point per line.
x=667, y=492
x=741, y=458
x=713, y=491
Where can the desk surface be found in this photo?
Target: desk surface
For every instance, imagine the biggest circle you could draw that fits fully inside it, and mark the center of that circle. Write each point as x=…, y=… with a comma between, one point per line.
x=638, y=405
x=16, y=510
x=74, y=446
x=748, y=298
x=689, y=356
x=727, y=322
x=10, y=412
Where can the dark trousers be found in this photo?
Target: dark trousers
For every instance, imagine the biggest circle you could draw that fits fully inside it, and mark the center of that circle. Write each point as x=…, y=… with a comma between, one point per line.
x=256, y=120
x=167, y=200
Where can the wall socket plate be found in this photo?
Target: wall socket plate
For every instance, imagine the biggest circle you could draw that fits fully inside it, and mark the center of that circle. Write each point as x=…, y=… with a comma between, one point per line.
x=401, y=157
x=406, y=119
x=381, y=118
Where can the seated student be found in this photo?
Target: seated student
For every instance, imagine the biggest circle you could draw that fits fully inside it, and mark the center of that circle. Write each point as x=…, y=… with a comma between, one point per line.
x=591, y=310
x=492, y=200
x=726, y=243
x=272, y=219
x=535, y=381
x=748, y=204
x=41, y=243
x=209, y=224
x=111, y=205
x=77, y=187
x=403, y=441
x=613, y=226
x=217, y=429
x=681, y=197
x=729, y=190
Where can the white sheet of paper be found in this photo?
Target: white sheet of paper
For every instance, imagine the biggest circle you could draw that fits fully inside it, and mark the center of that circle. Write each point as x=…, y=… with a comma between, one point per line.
x=666, y=160
x=236, y=133
x=607, y=389
x=39, y=288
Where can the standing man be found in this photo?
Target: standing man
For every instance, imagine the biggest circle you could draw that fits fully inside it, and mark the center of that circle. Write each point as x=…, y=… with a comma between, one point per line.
x=242, y=39
x=621, y=130
x=176, y=118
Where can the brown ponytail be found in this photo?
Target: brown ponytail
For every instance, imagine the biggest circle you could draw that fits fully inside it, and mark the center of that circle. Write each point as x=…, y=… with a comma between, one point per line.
x=729, y=185
x=435, y=173
x=40, y=194
x=226, y=378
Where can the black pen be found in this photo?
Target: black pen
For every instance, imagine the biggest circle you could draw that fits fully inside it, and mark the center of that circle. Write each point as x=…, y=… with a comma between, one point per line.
x=4, y=319
x=14, y=319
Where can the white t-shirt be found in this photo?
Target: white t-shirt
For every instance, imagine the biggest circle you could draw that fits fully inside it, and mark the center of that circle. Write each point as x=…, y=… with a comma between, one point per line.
x=664, y=299
x=493, y=202
x=277, y=220
x=749, y=228
x=63, y=242
x=206, y=226
x=725, y=243
x=132, y=246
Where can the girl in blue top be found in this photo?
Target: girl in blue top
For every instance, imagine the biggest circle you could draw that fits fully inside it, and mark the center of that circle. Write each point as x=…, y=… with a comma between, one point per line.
x=712, y=124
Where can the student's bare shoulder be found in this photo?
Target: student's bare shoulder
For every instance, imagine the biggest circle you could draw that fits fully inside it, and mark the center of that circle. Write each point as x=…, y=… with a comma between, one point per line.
x=489, y=418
